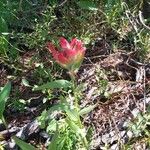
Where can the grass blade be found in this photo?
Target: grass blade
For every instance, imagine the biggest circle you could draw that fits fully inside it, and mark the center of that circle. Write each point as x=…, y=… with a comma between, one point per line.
x=53, y=144
x=54, y=84
x=3, y=98
x=86, y=110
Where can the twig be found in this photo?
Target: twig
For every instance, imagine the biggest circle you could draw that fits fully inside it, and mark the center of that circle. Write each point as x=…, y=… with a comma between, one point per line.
x=9, y=131
x=144, y=87
x=132, y=21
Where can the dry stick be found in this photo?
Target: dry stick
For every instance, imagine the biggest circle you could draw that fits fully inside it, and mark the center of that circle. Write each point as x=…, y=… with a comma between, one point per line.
x=132, y=21
x=8, y=131
x=144, y=87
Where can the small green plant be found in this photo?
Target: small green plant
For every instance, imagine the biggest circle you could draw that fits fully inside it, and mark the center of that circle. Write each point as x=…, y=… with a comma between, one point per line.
x=3, y=98
x=140, y=125
x=68, y=131
x=140, y=129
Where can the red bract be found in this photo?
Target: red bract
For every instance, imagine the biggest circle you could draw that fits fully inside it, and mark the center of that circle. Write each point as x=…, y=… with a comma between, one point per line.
x=70, y=55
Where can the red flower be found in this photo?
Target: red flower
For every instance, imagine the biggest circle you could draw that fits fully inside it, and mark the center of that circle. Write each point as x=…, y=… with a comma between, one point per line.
x=70, y=55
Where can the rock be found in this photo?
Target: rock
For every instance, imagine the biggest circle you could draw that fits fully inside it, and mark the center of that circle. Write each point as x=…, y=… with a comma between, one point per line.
x=114, y=147
x=122, y=133
x=32, y=127
x=106, y=138
x=125, y=124
x=129, y=134
x=29, y=129
x=96, y=142
x=12, y=145
x=135, y=112
x=113, y=136
x=44, y=135
x=20, y=134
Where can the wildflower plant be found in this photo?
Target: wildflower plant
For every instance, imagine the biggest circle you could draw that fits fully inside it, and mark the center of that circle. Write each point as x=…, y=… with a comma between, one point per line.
x=70, y=55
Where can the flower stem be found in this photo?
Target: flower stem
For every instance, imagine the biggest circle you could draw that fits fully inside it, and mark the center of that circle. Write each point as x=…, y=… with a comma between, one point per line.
x=73, y=79
x=77, y=107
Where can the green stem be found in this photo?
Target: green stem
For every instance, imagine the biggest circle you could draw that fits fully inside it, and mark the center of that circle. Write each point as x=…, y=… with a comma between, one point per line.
x=77, y=107
x=4, y=122
x=73, y=79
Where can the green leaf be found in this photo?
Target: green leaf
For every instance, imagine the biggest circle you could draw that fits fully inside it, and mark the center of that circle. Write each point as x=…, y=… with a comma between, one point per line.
x=87, y=4
x=52, y=125
x=72, y=114
x=64, y=107
x=3, y=38
x=86, y=110
x=3, y=25
x=54, y=84
x=42, y=119
x=53, y=144
x=58, y=107
x=3, y=97
x=89, y=134
x=74, y=127
x=23, y=145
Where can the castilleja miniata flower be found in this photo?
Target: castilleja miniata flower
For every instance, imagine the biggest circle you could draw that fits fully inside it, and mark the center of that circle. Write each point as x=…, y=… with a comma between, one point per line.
x=70, y=55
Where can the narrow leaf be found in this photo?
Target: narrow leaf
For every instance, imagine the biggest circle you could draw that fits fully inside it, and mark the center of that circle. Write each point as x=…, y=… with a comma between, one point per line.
x=58, y=107
x=3, y=97
x=53, y=144
x=54, y=84
x=23, y=145
x=74, y=127
x=86, y=110
x=3, y=25
x=72, y=114
x=89, y=134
